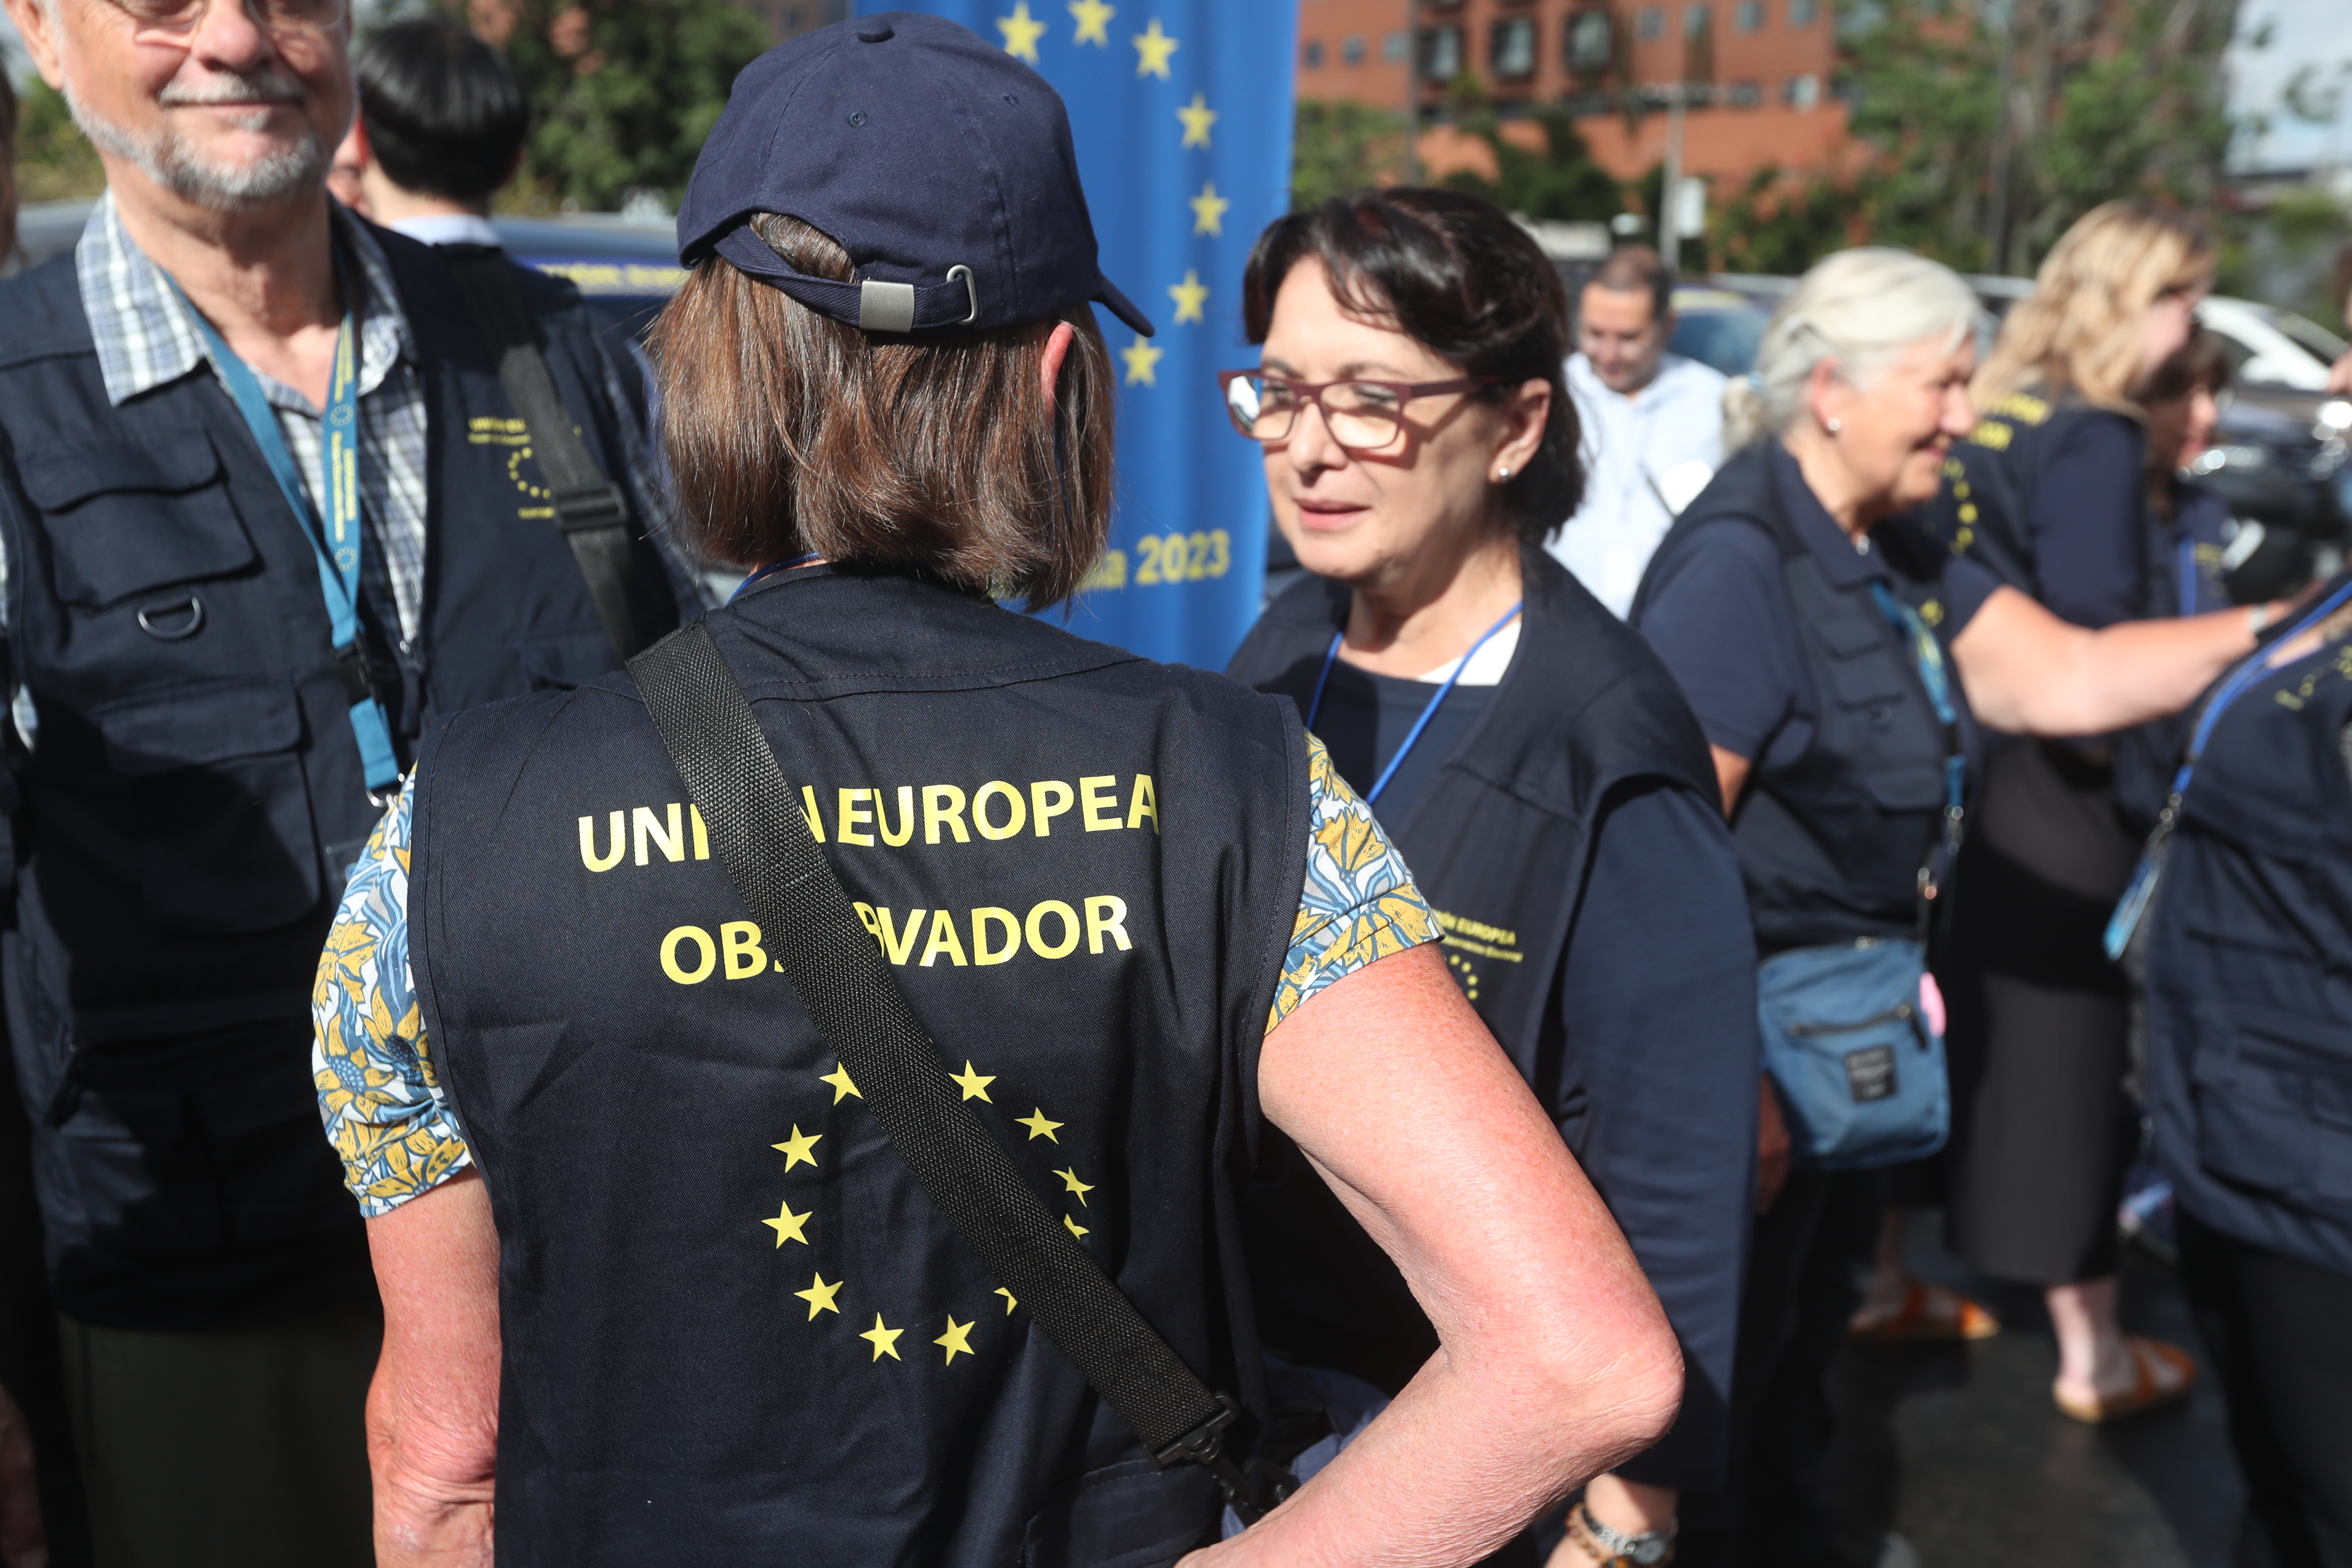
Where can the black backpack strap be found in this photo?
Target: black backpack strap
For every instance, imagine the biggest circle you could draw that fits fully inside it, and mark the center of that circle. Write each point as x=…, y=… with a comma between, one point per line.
x=592, y=510
x=805, y=918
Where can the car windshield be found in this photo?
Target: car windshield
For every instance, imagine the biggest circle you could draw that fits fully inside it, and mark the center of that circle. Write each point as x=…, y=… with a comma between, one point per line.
x=2307, y=334
x=1726, y=340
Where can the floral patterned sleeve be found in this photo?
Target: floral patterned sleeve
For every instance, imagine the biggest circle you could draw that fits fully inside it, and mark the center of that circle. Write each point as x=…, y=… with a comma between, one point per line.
x=384, y=1107
x=1358, y=904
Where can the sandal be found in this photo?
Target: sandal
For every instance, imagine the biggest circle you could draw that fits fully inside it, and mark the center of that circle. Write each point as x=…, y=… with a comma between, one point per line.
x=2145, y=1394
x=1927, y=1312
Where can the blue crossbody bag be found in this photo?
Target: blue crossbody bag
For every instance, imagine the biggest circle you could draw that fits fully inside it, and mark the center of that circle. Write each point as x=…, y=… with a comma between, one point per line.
x=1857, y=1061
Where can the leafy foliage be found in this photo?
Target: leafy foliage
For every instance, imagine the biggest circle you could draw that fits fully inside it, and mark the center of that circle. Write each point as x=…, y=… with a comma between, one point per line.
x=54, y=160
x=1561, y=182
x=1343, y=146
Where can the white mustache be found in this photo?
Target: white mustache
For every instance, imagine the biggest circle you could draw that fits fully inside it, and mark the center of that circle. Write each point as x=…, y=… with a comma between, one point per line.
x=264, y=87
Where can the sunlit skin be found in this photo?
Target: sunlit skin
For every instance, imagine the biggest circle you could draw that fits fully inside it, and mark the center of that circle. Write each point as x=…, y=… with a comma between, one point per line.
x=1619, y=331
x=1417, y=528
x=2169, y=321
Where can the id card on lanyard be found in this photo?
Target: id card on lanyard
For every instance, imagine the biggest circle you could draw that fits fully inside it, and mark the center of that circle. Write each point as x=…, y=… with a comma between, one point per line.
x=335, y=540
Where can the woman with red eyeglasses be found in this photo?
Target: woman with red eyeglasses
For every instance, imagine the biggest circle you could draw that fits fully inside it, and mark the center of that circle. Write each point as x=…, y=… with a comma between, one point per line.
x=1530, y=756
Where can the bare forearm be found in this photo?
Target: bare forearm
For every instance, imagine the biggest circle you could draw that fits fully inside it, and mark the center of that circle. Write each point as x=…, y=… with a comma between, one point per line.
x=2034, y=675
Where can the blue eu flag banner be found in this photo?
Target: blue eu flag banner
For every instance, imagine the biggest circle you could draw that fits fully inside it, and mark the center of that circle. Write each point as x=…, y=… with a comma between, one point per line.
x=1181, y=110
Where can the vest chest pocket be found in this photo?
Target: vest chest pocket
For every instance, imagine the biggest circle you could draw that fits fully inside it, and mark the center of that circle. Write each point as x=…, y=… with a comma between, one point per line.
x=127, y=521
x=1863, y=672
x=2274, y=1104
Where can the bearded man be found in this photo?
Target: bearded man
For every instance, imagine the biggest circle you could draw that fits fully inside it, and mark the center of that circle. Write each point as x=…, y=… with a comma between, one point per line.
x=265, y=510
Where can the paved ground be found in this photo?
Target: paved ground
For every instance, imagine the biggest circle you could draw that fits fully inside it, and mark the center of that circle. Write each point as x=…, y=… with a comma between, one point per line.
x=1960, y=1450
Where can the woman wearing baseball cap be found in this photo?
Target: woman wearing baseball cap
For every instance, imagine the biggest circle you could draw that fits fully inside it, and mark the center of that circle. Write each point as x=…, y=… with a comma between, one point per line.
x=815, y=1234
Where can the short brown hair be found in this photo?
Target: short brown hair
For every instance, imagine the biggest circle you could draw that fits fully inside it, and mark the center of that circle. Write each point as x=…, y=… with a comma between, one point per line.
x=1638, y=269
x=789, y=433
x=1455, y=274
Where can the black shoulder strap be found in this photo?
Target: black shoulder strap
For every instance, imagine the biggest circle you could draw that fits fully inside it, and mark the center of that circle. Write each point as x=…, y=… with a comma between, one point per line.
x=837, y=969
x=592, y=510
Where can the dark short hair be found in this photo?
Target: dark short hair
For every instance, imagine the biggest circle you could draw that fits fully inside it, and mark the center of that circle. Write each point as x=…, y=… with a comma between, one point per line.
x=444, y=111
x=1637, y=270
x=2203, y=361
x=1459, y=276
x=789, y=433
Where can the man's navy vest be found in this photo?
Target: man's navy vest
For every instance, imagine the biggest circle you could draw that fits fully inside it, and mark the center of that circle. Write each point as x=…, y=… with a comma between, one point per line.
x=1831, y=843
x=1498, y=843
x=2248, y=968
x=196, y=796
x=736, y=1329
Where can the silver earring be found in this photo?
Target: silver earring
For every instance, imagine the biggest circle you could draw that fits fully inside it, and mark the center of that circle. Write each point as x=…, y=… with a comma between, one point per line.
x=1836, y=425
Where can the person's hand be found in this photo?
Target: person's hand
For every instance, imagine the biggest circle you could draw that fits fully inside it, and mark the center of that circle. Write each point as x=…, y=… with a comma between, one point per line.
x=2339, y=376
x=23, y=1543
x=1771, y=1147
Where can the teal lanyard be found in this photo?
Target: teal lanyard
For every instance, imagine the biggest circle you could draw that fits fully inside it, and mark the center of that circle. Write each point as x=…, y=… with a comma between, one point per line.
x=1331, y=655
x=1927, y=656
x=335, y=541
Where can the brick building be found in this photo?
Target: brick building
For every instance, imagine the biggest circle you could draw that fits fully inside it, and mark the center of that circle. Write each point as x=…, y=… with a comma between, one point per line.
x=1758, y=73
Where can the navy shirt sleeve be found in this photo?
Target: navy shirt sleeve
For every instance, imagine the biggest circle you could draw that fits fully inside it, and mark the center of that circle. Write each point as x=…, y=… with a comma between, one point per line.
x=1656, y=1089
x=1719, y=618
x=2089, y=544
x=1965, y=587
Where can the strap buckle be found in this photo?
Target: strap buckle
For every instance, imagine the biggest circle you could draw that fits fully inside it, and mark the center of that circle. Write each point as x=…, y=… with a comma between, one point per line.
x=591, y=506
x=1205, y=1445
x=351, y=664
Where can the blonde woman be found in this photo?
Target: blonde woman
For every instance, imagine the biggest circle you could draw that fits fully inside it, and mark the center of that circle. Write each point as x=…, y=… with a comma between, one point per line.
x=2050, y=491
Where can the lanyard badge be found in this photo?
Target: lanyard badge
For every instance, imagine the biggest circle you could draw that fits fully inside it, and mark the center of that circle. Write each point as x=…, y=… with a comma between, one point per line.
x=1331, y=655
x=335, y=539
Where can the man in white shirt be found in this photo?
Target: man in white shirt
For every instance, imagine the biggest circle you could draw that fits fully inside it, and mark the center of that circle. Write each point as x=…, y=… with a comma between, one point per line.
x=440, y=128
x=1652, y=425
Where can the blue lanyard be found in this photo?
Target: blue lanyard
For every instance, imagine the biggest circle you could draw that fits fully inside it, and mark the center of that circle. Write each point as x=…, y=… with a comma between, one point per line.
x=1331, y=654
x=336, y=541
x=1928, y=655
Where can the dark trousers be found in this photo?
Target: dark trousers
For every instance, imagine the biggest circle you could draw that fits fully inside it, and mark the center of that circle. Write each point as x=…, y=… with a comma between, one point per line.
x=2279, y=1332
x=1805, y=1277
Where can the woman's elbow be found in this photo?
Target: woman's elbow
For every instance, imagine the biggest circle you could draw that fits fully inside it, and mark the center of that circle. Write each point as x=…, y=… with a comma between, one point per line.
x=1611, y=1391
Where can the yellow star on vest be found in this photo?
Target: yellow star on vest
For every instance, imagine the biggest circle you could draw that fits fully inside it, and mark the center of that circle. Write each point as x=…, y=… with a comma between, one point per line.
x=1009, y=1302
x=1189, y=296
x=1197, y=117
x=839, y=1078
x=799, y=1149
x=957, y=1339
x=884, y=1341
x=1070, y=1183
x=1152, y=48
x=820, y=1296
x=1093, y=17
x=1075, y=1228
x=1038, y=1126
x=1143, y=366
x=1209, y=210
x=974, y=1085
x=1021, y=32
x=789, y=1225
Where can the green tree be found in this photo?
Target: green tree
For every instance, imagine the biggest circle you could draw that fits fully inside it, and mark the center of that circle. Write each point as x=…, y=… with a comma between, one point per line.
x=1343, y=146
x=1560, y=184
x=54, y=160
x=1778, y=222
x=1926, y=98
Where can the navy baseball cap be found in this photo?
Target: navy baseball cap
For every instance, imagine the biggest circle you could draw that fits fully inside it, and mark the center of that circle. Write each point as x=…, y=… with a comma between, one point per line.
x=938, y=161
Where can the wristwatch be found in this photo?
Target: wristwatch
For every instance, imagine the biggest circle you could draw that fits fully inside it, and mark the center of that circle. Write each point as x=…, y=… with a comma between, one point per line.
x=1651, y=1549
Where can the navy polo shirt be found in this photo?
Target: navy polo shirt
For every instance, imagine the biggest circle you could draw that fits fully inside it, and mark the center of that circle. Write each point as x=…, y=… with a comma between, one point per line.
x=1718, y=614
x=2086, y=518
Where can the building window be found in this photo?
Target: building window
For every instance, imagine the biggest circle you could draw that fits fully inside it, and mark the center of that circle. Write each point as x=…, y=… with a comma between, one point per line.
x=1511, y=48
x=1804, y=91
x=1351, y=49
x=1803, y=13
x=1652, y=25
x=1695, y=20
x=1392, y=49
x=1441, y=53
x=1748, y=16
x=1745, y=94
x=1315, y=54
x=1589, y=43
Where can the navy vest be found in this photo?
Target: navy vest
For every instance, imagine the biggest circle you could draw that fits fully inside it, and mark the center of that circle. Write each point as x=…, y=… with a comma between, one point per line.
x=1497, y=843
x=2250, y=972
x=1831, y=843
x=736, y=1329
x=193, y=800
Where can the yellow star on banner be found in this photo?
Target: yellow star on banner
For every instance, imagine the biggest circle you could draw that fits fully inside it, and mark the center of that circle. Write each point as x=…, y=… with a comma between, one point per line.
x=1093, y=17
x=1152, y=48
x=1209, y=210
x=974, y=1085
x=1070, y=1183
x=789, y=1225
x=1143, y=366
x=820, y=1296
x=957, y=1339
x=884, y=1341
x=1021, y=32
x=1197, y=117
x=1075, y=1228
x=839, y=1078
x=1009, y=1302
x=799, y=1149
x=1189, y=296
x=1038, y=1126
